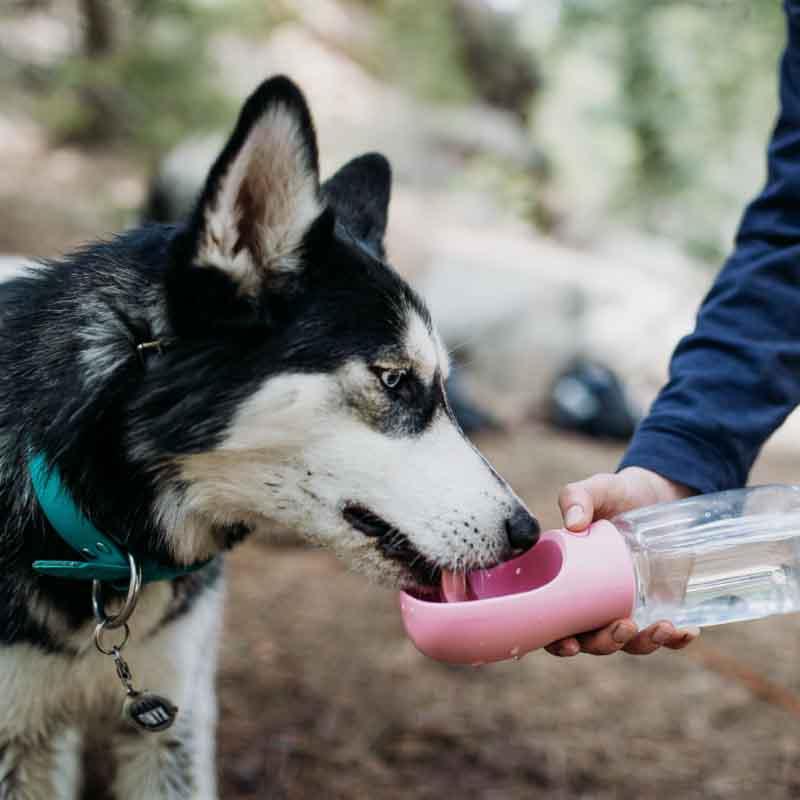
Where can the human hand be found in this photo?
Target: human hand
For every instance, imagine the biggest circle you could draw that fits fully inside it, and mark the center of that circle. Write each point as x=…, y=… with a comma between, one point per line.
x=600, y=497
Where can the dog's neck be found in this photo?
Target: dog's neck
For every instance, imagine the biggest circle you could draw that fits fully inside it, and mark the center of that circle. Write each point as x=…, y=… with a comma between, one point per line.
x=70, y=357
x=69, y=366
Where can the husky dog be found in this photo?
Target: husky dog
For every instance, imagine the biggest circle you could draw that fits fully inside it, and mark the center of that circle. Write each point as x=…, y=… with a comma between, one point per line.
x=297, y=380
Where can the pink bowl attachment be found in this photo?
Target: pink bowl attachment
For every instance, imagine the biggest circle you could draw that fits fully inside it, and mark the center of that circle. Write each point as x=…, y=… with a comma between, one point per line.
x=566, y=584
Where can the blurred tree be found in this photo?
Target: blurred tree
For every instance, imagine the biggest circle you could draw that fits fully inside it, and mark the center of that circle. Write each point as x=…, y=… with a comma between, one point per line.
x=503, y=72
x=419, y=47
x=454, y=51
x=694, y=91
x=98, y=15
x=649, y=103
x=142, y=74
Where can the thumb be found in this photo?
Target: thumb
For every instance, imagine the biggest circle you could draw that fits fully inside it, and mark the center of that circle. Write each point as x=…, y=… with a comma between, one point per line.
x=597, y=497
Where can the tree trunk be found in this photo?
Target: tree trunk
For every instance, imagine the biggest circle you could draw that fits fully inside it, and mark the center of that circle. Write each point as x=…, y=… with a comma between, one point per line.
x=99, y=20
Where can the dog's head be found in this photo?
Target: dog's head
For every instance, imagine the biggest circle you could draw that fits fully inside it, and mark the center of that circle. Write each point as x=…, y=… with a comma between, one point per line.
x=315, y=373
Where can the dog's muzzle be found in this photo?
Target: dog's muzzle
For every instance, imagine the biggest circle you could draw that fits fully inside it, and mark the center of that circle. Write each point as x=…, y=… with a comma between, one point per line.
x=392, y=543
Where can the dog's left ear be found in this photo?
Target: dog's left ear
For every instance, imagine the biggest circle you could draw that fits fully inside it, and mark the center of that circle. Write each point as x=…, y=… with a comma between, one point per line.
x=260, y=202
x=359, y=195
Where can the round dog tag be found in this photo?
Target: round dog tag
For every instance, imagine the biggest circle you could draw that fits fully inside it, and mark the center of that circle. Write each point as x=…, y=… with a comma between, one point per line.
x=150, y=712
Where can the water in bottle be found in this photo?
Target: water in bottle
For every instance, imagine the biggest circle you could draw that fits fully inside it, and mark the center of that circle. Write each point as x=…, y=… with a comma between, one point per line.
x=716, y=558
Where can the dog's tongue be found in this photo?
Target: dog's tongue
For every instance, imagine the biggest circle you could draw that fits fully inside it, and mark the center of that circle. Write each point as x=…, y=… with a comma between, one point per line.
x=454, y=586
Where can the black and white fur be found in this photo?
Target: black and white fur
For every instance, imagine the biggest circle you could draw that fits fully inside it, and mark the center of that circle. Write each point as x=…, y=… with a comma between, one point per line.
x=300, y=384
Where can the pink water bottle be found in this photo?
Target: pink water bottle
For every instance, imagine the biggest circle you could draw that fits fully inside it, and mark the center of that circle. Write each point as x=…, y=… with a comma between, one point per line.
x=707, y=560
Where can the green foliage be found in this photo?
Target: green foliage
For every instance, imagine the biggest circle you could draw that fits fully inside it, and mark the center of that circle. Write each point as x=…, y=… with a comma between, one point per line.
x=157, y=81
x=420, y=49
x=144, y=96
x=684, y=128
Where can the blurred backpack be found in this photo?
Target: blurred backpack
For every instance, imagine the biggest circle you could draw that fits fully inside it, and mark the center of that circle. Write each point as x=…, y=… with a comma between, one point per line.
x=589, y=397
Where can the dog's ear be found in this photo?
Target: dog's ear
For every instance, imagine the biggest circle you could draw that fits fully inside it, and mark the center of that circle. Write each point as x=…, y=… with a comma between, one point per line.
x=359, y=195
x=260, y=204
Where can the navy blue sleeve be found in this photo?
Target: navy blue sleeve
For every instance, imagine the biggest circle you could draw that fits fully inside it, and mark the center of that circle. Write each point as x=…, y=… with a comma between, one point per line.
x=736, y=378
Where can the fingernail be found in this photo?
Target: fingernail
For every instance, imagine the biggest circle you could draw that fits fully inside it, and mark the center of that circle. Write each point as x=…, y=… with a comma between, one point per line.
x=621, y=632
x=569, y=649
x=692, y=632
x=661, y=635
x=574, y=516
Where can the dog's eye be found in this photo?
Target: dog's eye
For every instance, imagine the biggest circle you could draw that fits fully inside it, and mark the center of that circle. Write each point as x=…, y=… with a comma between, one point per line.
x=392, y=378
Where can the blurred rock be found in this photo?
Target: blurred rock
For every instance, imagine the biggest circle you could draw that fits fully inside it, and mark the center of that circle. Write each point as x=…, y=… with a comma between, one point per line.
x=480, y=130
x=39, y=38
x=20, y=137
x=517, y=309
x=52, y=198
x=344, y=26
x=355, y=112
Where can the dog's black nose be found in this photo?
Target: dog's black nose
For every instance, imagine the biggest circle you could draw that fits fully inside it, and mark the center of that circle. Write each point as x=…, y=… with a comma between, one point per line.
x=522, y=529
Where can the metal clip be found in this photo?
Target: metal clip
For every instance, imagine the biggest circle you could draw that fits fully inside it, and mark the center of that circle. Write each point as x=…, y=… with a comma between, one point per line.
x=143, y=348
x=124, y=614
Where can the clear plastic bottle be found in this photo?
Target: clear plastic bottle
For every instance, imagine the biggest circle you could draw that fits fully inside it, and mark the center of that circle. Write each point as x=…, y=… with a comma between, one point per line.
x=716, y=558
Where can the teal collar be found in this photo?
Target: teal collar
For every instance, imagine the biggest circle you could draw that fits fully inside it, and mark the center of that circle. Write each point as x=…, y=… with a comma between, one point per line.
x=102, y=558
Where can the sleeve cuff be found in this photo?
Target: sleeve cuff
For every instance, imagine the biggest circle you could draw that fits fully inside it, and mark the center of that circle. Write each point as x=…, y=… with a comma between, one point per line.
x=681, y=456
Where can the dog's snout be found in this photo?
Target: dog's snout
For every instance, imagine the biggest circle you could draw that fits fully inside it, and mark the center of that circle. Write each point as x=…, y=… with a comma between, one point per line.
x=522, y=529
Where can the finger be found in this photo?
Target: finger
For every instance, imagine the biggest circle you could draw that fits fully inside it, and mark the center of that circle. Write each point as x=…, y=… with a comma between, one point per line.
x=651, y=639
x=683, y=638
x=564, y=648
x=608, y=640
x=600, y=496
x=577, y=506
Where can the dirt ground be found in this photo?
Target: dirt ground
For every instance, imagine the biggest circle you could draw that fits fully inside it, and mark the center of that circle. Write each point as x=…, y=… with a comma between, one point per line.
x=323, y=697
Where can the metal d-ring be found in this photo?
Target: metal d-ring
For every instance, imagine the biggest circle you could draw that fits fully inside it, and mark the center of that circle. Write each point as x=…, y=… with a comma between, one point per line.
x=116, y=649
x=124, y=614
